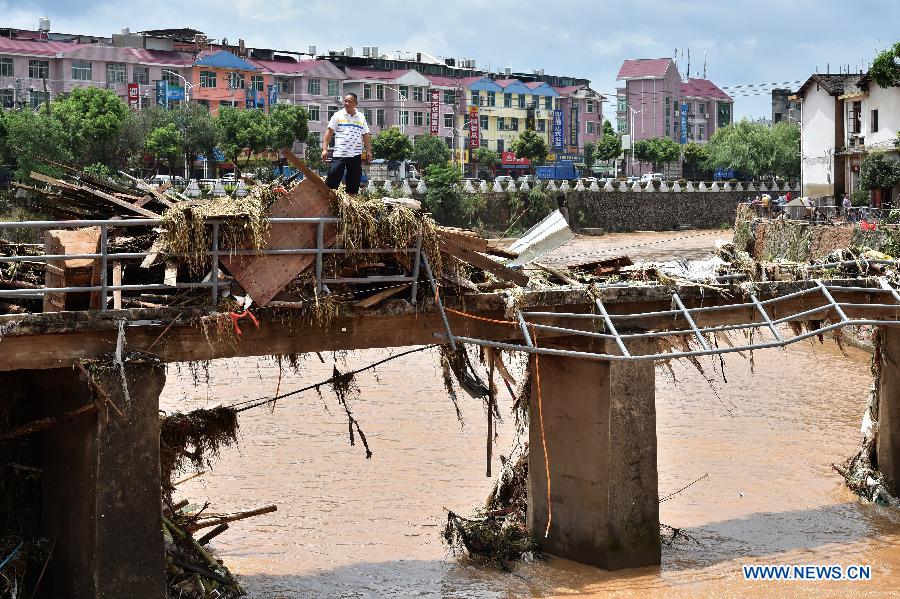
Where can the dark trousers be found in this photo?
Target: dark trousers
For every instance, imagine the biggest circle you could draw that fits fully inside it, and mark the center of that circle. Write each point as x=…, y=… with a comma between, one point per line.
x=352, y=165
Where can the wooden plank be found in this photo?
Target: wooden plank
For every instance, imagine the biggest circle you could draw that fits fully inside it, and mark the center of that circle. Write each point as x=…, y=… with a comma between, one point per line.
x=114, y=200
x=464, y=238
x=117, y=280
x=374, y=300
x=262, y=277
x=70, y=273
x=161, y=198
x=484, y=263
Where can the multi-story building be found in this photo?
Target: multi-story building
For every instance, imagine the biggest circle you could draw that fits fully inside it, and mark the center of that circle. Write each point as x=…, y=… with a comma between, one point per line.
x=843, y=117
x=656, y=102
x=783, y=108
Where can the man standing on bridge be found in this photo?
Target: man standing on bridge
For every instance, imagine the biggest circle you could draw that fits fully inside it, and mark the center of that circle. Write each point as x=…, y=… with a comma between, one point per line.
x=350, y=131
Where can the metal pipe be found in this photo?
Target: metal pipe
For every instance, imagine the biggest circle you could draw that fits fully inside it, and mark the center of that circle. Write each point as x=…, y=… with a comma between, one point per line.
x=437, y=300
x=829, y=297
x=611, y=327
x=690, y=321
x=765, y=316
x=104, y=241
x=524, y=328
x=320, y=244
x=214, y=270
x=414, y=292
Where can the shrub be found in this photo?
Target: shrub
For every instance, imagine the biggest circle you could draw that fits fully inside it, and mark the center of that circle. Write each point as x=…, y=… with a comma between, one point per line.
x=860, y=197
x=656, y=184
x=615, y=184
x=682, y=182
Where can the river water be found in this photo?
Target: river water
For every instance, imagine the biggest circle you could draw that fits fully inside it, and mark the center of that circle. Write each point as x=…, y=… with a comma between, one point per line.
x=351, y=527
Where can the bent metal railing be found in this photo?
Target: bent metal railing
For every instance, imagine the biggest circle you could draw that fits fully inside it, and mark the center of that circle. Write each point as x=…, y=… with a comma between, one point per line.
x=605, y=320
x=212, y=280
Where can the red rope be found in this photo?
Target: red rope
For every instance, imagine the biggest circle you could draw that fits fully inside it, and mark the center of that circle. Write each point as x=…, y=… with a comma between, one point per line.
x=235, y=317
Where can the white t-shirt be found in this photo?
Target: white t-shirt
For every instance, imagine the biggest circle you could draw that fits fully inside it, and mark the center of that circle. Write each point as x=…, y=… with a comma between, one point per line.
x=348, y=133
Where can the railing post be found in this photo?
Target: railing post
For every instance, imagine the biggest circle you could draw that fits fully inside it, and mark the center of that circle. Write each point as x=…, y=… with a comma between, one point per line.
x=103, y=264
x=214, y=270
x=415, y=270
x=320, y=242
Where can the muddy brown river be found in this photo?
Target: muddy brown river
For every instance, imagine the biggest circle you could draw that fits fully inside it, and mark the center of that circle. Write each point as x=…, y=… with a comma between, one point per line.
x=351, y=527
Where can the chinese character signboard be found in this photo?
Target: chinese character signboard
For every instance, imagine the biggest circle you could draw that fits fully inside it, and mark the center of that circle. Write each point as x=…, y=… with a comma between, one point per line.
x=558, y=135
x=573, y=127
x=684, y=117
x=134, y=95
x=435, y=109
x=273, y=95
x=162, y=93
x=474, y=132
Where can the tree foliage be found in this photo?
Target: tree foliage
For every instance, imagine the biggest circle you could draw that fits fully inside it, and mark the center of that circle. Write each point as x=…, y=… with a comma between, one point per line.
x=444, y=199
x=429, y=150
x=244, y=132
x=199, y=132
x=877, y=171
x=884, y=70
x=610, y=145
x=93, y=119
x=165, y=143
x=289, y=122
x=656, y=151
x=590, y=154
x=532, y=146
x=695, y=157
x=487, y=158
x=391, y=144
x=314, y=153
x=755, y=149
x=29, y=139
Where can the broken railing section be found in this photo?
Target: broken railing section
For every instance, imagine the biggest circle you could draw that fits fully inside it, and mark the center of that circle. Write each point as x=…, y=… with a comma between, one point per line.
x=820, y=292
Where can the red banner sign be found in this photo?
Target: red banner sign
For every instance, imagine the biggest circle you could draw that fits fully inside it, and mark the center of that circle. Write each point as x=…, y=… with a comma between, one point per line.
x=435, y=112
x=134, y=93
x=474, y=130
x=510, y=158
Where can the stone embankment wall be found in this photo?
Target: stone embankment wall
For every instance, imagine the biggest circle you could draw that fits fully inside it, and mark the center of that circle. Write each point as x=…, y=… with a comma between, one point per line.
x=799, y=241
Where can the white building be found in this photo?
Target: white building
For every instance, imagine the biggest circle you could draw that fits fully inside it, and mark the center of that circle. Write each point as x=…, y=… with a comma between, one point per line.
x=843, y=117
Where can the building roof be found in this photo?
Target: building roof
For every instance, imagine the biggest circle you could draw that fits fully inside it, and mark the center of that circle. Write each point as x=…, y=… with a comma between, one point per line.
x=833, y=84
x=541, y=88
x=223, y=59
x=567, y=90
x=290, y=67
x=442, y=81
x=375, y=74
x=644, y=68
x=33, y=47
x=703, y=88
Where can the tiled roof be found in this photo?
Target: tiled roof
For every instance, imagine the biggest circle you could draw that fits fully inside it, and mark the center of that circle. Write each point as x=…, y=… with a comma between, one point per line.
x=565, y=90
x=223, y=59
x=33, y=47
x=374, y=74
x=162, y=56
x=443, y=81
x=288, y=67
x=506, y=82
x=703, y=88
x=644, y=68
x=831, y=83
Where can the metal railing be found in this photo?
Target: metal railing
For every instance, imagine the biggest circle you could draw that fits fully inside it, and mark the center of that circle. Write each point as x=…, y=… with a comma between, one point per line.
x=606, y=322
x=212, y=280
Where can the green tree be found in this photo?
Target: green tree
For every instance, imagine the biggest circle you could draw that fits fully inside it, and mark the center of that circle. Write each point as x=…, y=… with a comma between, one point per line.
x=93, y=119
x=429, y=150
x=487, y=158
x=199, y=132
x=885, y=70
x=785, y=149
x=314, y=153
x=28, y=139
x=244, y=132
x=391, y=144
x=756, y=149
x=610, y=145
x=289, y=123
x=444, y=199
x=165, y=143
x=590, y=154
x=532, y=146
x=656, y=151
x=877, y=171
x=695, y=156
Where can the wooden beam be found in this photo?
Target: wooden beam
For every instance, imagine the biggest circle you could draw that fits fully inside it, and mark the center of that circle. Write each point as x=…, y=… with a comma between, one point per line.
x=463, y=238
x=484, y=263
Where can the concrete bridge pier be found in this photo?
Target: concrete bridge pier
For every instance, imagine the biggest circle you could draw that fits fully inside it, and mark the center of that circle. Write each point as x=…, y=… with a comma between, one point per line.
x=100, y=490
x=887, y=441
x=599, y=421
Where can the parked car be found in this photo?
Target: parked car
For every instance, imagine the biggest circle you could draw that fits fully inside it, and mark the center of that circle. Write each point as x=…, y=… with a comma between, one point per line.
x=647, y=177
x=587, y=181
x=229, y=178
x=206, y=183
x=503, y=179
x=163, y=179
x=526, y=178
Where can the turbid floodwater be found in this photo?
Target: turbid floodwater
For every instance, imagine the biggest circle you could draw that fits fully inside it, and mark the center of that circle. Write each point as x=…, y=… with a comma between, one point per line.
x=351, y=527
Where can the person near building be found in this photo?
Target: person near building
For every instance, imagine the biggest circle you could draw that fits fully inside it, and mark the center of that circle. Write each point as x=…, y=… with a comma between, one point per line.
x=846, y=204
x=350, y=131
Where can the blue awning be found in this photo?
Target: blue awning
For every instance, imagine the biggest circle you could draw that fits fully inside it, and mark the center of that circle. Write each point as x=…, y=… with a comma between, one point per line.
x=224, y=59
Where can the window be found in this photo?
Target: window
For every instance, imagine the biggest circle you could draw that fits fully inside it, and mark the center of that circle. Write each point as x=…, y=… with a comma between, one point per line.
x=465, y=143
x=367, y=91
x=476, y=100
x=115, y=72
x=418, y=94
x=313, y=112
x=418, y=118
x=81, y=70
x=448, y=120
x=855, y=117
x=483, y=122
x=7, y=98
x=501, y=123
x=257, y=82
x=449, y=142
x=701, y=131
x=173, y=78
x=379, y=117
x=621, y=105
x=368, y=115
x=228, y=104
x=514, y=124
x=404, y=117
x=556, y=103
x=379, y=92
x=207, y=78
x=701, y=108
x=874, y=121
x=541, y=125
x=507, y=100
x=590, y=127
x=590, y=109
x=204, y=103
x=521, y=100
x=39, y=69
x=334, y=88
x=6, y=67
x=404, y=91
x=332, y=110
x=284, y=85
x=620, y=125
x=499, y=146
x=235, y=81
x=38, y=98
x=548, y=103
x=466, y=120
x=449, y=96
x=492, y=98
x=313, y=86
x=141, y=75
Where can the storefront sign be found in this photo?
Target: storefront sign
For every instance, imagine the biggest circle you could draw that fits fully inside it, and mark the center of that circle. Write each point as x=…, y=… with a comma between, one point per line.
x=684, y=117
x=273, y=95
x=510, y=159
x=573, y=127
x=558, y=135
x=162, y=93
x=435, y=112
x=474, y=130
x=134, y=95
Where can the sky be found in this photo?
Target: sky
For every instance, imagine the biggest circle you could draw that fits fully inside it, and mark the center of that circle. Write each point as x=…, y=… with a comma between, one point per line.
x=752, y=44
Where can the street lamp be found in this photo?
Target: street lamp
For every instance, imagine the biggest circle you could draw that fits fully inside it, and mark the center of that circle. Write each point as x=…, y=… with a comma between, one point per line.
x=187, y=86
x=402, y=97
x=633, y=112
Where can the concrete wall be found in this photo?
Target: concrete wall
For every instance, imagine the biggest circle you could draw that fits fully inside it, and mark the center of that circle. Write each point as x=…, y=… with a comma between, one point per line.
x=817, y=131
